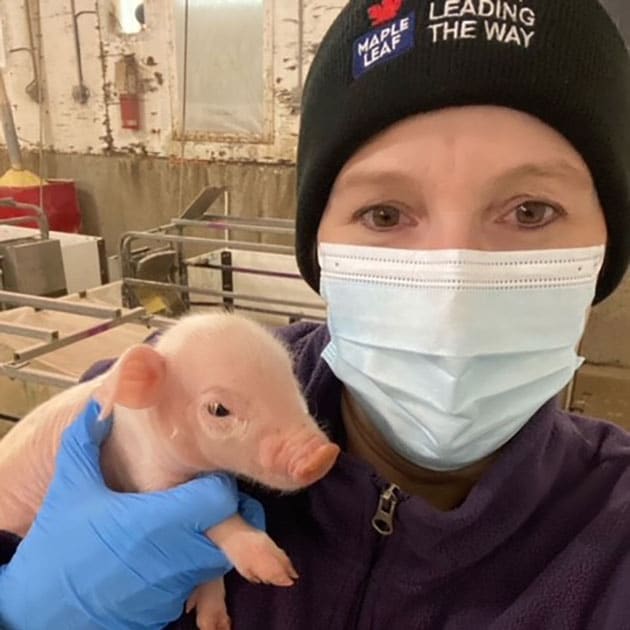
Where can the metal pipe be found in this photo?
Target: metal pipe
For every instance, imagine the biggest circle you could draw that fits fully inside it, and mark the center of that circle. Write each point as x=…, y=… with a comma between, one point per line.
x=261, y=221
x=226, y=212
x=264, y=311
x=80, y=92
x=8, y=127
x=300, y=50
x=20, y=220
x=248, y=270
x=237, y=296
x=226, y=225
x=258, y=221
x=41, y=303
x=182, y=128
x=39, y=215
x=156, y=321
x=29, y=331
x=36, y=351
x=180, y=266
x=259, y=247
x=235, y=221
x=15, y=220
x=16, y=371
x=33, y=89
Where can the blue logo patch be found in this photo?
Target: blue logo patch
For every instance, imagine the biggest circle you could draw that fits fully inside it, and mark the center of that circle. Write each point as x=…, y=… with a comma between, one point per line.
x=383, y=44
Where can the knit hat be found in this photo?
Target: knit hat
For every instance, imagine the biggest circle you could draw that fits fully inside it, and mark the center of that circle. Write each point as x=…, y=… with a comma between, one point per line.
x=563, y=61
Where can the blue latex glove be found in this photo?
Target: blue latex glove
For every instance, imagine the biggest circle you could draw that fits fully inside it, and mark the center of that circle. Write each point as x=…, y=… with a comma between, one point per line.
x=95, y=558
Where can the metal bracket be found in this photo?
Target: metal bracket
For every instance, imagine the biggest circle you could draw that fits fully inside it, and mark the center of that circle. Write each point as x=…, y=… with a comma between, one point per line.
x=227, y=279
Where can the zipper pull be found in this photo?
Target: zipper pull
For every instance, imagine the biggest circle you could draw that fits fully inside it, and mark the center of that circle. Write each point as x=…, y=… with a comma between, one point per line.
x=383, y=519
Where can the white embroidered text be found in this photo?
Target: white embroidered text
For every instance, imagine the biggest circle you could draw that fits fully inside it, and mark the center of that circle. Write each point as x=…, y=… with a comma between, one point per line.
x=508, y=22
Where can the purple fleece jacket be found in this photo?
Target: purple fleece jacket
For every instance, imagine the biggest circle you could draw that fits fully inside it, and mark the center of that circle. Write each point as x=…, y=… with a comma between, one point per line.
x=542, y=542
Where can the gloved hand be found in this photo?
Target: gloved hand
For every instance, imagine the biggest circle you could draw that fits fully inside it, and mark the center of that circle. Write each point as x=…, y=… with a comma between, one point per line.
x=95, y=558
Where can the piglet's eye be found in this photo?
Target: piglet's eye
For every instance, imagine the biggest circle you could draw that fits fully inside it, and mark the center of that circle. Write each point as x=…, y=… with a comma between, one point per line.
x=218, y=410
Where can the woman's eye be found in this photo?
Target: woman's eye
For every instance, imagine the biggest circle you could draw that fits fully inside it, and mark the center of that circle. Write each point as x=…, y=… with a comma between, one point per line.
x=218, y=410
x=534, y=214
x=382, y=217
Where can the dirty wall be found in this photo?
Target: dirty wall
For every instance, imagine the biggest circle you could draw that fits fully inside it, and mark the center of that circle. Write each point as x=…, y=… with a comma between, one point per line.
x=137, y=178
x=292, y=30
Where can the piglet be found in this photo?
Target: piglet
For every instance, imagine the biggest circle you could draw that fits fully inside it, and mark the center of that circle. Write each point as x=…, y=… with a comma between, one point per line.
x=216, y=393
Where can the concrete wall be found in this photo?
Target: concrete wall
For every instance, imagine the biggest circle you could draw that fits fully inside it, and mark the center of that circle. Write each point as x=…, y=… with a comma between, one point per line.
x=122, y=192
x=602, y=387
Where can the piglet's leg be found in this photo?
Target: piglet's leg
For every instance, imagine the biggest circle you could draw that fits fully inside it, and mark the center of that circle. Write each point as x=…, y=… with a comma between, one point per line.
x=254, y=555
x=209, y=600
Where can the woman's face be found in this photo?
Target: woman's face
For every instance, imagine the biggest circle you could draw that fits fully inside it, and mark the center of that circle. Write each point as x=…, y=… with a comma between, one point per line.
x=483, y=178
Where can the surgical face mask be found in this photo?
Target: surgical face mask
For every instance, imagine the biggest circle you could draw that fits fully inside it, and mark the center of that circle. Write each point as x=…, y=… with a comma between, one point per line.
x=451, y=352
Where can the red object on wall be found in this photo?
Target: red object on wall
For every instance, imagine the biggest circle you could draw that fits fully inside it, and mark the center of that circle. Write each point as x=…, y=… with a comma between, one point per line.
x=130, y=111
x=60, y=202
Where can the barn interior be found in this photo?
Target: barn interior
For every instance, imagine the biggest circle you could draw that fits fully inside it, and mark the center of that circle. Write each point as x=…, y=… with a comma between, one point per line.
x=149, y=156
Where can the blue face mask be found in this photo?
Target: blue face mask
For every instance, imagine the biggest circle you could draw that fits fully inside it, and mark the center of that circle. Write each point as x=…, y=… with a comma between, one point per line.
x=451, y=352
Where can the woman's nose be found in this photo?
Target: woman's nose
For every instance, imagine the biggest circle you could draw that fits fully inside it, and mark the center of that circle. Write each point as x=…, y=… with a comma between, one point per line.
x=453, y=230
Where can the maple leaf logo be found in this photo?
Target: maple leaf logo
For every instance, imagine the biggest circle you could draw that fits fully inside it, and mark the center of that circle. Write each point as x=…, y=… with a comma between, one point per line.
x=384, y=12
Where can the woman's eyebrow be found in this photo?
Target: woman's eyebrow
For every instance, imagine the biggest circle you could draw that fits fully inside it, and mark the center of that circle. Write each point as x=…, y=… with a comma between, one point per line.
x=372, y=175
x=557, y=169
x=560, y=169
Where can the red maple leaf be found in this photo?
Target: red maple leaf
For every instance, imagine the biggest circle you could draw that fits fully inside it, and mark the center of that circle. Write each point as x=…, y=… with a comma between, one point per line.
x=384, y=12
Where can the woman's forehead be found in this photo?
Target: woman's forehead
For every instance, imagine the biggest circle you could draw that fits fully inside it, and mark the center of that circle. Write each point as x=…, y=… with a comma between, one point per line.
x=484, y=141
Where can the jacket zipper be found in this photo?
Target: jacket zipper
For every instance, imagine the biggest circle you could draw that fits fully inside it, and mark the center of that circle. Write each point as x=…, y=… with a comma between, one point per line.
x=383, y=519
x=383, y=523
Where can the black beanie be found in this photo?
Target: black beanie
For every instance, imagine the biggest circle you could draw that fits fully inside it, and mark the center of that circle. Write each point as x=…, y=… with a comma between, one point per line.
x=563, y=61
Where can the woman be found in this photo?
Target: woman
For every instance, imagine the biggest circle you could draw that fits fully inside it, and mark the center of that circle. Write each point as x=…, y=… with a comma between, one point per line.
x=463, y=198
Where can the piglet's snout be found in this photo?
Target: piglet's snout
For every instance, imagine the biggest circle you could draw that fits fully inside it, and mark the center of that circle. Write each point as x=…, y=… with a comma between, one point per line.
x=313, y=462
x=303, y=457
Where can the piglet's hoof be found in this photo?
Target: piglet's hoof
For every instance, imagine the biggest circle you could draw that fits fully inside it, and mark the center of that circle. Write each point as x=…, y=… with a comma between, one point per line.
x=209, y=601
x=258, y=559
x=215, y=622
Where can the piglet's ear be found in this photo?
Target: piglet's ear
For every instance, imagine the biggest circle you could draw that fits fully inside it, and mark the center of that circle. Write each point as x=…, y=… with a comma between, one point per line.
x=135, y=381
